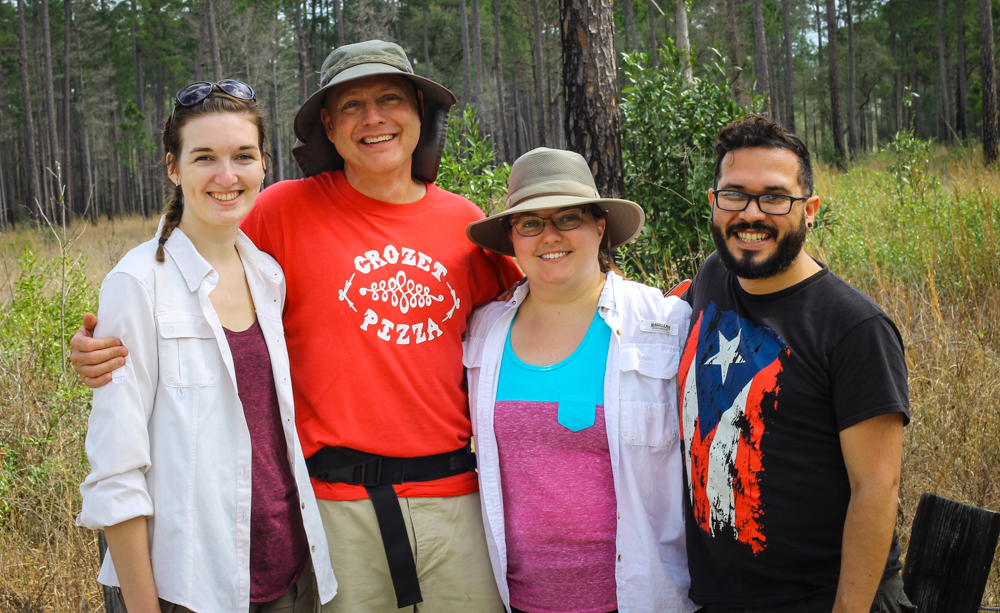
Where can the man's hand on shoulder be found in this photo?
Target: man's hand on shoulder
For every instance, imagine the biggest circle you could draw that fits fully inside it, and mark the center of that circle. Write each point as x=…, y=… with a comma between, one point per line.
x=95, y=358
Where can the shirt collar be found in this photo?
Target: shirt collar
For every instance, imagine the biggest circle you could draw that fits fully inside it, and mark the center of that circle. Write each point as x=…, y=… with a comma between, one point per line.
x=182, y=251
x=605, y=303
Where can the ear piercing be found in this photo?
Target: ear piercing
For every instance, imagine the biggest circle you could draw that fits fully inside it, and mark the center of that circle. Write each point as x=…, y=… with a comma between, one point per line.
x=809, y=225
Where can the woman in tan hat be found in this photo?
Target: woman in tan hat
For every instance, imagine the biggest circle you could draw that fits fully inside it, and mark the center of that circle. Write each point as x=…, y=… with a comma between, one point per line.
x=573, y=393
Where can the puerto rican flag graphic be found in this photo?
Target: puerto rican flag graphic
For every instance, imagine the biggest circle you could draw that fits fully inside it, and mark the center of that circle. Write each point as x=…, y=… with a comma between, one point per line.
x=728, y=372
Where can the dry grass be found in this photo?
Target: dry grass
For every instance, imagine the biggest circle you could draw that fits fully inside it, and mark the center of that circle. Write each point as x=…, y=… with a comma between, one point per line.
x=921, y=240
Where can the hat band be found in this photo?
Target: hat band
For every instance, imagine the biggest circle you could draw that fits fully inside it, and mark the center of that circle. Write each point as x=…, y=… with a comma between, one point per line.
x=551, y=188
x=351, y=62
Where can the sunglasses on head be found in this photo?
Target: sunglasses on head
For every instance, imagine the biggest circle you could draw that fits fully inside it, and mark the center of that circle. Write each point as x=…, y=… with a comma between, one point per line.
x=196, y=93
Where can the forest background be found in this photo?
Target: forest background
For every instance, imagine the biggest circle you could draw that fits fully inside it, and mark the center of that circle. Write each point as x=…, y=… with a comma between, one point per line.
x=895, y=98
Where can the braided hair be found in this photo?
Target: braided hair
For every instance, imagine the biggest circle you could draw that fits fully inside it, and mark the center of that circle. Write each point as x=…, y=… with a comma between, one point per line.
x=216, y=102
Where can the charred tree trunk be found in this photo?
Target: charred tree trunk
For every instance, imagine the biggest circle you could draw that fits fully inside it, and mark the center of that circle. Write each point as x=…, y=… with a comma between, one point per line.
x=961, y=121
x=835, y=118
x=943, y=74
x=213, y=40
x=683, y=42
x=477, y=57
x=50, y=105
x=590, y=81
x=987, y=66
x=427, y=48
x=29, y=127
x=466, y=60
x=760, y=52
x=631, y=38
x=653, y=43
x=738, y=79
x=540, y=76
x=789, y=88
x=852, y=86
x=501, y=136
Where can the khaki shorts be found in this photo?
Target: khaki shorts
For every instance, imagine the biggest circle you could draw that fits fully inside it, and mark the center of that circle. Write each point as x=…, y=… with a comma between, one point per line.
x=449, y=547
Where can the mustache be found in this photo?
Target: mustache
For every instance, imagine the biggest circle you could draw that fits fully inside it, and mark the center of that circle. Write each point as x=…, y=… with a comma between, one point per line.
x=742, y=226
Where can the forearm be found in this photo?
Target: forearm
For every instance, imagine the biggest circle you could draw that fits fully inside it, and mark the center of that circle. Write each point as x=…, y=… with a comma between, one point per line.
x=128, y=543
x=871, y=517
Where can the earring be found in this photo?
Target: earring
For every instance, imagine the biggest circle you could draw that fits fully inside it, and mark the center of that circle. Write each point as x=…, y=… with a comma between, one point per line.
x=177, y=182
x=809, y=225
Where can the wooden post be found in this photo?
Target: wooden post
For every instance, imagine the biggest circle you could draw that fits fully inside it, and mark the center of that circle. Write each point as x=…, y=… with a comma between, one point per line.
x=949, y=556
x=112, y=595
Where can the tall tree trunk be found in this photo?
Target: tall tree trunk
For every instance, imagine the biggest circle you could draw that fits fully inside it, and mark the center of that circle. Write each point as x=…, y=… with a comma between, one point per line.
x=88, y=186
x=50, y=104
x=477, y=56
x=590, y=81
x=631, y=38
x=832, y=60
x=760, y=52
x=199, y=64
x=300, y=35
x=516, y=147
x=987, y=67
x=501, y=136
x=683, y=42
x=943, y=74
x=466, y=60
x=213, y=39
x=539, y=76
x=653, y=43
x=852, y=85
x=142, y=171
x=427, y=48
x=67, y=131
x=29, y=122
x=789, y=90
x=961, y=122
x=897, y=100
x=278, y=171
x=338, y=14
x=735, y=42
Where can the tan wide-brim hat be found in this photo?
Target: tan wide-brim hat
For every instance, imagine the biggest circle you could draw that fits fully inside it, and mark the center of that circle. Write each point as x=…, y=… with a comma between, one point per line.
x=552, y=179
x=315, y=153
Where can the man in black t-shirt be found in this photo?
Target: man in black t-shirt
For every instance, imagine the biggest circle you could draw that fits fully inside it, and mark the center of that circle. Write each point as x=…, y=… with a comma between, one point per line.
x=793, y=402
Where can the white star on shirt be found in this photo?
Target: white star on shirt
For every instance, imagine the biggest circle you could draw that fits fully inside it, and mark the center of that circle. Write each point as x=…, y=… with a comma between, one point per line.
x=728, y=354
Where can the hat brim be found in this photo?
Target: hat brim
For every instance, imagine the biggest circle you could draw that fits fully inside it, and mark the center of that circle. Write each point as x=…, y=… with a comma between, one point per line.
x=624, y=221
x=315, y=154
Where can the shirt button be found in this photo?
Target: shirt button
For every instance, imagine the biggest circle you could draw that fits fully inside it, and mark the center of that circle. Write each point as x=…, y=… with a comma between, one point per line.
x=303, y=505
x=619, y=557
x=619, y=516
x=619, y=331
x=314, y=548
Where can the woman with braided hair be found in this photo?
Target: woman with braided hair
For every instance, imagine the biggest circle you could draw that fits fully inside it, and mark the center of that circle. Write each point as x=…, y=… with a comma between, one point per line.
x=197, y=476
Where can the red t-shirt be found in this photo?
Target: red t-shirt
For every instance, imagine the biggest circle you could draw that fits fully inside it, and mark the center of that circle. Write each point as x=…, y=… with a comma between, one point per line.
x=378, y=299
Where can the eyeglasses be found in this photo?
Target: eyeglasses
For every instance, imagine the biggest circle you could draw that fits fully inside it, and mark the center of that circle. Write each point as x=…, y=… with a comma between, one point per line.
x=533, y=225
x=770, y=204
x=196, y=93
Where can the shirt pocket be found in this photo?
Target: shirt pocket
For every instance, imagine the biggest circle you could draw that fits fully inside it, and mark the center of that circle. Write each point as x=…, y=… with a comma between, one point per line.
x=189, y=353
x=648, y=393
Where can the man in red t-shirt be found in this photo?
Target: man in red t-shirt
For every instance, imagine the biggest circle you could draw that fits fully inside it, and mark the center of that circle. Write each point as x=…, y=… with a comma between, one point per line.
x=381, y=281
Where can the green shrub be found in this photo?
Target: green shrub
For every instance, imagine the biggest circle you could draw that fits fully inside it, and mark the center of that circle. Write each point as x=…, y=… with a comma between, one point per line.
x=468, y=165
x=667, y=132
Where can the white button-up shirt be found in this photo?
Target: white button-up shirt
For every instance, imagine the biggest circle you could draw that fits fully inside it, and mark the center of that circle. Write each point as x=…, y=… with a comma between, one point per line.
x=167, y=437
x=640, y=411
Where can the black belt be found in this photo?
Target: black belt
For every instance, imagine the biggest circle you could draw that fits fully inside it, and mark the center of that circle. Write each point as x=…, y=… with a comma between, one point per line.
x=378, y=474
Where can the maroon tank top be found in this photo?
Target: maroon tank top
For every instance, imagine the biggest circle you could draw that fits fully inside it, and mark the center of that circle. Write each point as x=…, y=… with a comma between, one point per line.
x=279, y=549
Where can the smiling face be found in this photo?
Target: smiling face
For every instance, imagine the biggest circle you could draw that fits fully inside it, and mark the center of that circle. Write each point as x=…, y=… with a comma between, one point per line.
x=752, y=244
x=374, y=124
x=556, y=257
x=220, y=168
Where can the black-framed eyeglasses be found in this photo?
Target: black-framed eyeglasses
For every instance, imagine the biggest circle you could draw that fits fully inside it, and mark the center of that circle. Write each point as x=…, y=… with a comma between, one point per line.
x=771, y=204
x=528, y=225
x=196, y=93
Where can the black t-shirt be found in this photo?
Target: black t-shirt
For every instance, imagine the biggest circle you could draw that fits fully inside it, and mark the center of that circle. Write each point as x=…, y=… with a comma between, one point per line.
x=767, y=383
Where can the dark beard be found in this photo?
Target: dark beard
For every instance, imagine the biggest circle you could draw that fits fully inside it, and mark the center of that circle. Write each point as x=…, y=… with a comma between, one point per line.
x=787, y=250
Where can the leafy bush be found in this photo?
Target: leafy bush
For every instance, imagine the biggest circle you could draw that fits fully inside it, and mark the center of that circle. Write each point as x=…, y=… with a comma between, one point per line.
x=667, y=132
x=468, y=165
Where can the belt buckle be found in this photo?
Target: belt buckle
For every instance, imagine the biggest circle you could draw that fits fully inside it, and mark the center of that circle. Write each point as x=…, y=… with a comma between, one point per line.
x=369, y=469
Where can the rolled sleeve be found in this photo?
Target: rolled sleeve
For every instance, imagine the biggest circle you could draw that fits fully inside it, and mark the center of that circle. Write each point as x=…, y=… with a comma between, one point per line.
x=118, y=436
